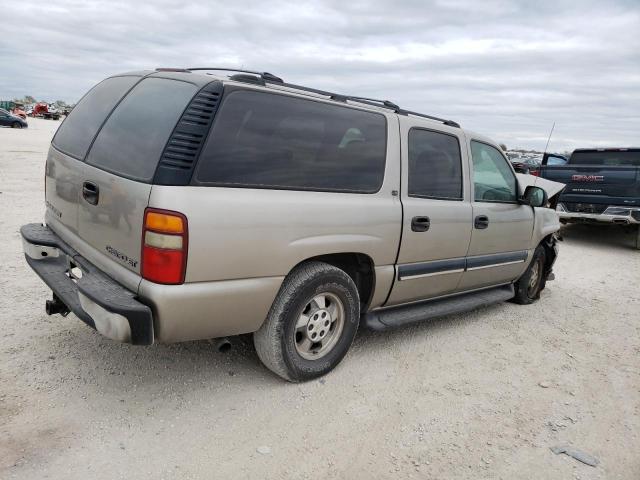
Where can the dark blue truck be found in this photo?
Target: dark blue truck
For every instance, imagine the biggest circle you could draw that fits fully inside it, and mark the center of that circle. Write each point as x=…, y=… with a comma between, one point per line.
x=602, y=185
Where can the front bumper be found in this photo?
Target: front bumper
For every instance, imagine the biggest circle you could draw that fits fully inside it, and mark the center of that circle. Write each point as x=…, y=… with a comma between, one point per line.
x=613, y=214
x=92, y=296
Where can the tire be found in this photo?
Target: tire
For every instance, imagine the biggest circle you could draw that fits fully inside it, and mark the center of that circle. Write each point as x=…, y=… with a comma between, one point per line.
x=16, y=125
x=323, y=302
x=532, y=281
x=638, y=237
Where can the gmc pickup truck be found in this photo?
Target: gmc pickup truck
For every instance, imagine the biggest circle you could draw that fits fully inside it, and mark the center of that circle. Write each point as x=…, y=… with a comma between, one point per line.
x=602, y=186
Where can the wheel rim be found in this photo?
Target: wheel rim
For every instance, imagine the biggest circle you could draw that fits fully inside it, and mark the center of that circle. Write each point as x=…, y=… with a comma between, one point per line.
x=534, y=278
x=319, y=326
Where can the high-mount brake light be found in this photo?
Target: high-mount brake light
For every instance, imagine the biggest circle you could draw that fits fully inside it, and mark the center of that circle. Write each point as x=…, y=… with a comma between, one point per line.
x=164, y=246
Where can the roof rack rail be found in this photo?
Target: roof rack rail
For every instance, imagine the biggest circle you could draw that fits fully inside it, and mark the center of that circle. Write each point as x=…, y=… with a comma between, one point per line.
x=266, y=76
x=270, y=78
x=384, y=103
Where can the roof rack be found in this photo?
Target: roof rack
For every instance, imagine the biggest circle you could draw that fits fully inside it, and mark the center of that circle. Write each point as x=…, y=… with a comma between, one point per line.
x=266, y=77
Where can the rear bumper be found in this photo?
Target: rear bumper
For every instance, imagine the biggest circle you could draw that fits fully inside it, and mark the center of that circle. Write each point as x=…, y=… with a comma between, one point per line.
x=612, y=214
x=92, y=296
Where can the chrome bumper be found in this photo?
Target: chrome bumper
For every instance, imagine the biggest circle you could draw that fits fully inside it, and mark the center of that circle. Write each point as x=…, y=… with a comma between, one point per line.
x=613, y=214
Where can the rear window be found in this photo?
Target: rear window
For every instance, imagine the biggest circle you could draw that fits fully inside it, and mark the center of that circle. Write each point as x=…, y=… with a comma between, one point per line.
x=265, y=140
x=613, y=158
x=77, y=131
x=132, y=140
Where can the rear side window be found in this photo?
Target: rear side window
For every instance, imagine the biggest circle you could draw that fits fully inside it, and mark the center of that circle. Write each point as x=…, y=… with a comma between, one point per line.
x=77, y=131
x=435, y=165
x=132, y=140
x=265, y=140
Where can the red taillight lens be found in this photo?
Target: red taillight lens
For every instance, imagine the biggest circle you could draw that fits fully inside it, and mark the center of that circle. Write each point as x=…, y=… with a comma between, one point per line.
x=164, y=246
x=535, y=173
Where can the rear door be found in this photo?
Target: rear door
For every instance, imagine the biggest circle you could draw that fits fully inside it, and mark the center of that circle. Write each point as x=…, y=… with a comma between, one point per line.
x=437, y=212
x=64, y=171
x=502, y=227
x=111, y=188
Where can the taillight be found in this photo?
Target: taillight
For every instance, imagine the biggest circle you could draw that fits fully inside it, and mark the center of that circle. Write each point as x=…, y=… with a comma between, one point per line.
x=164, y=246
x=535, y=173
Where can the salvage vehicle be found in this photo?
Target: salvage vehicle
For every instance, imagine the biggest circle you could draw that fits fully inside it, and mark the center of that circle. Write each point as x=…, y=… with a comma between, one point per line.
x=10, y=120
x=46, y=111
x=526, y=165
x=602, y=186
x=183, y=205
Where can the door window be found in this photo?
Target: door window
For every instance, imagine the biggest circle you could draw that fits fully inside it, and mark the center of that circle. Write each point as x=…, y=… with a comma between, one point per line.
x=493, y=179
x=435, y=165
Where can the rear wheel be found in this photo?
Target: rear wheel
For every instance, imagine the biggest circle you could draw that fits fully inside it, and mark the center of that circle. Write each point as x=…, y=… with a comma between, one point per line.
x=311, y=324
x=16, y=125
x=532, y=281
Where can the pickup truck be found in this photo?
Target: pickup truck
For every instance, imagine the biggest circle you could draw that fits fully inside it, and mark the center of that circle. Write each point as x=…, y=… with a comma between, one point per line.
x=602, y=186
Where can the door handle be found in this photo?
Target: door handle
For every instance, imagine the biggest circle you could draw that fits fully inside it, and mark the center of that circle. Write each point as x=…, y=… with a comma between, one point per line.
x=90, y=192
x=420, y=224
x=481, y=222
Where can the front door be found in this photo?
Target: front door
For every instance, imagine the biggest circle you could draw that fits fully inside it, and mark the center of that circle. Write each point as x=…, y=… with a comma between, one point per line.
x=437, y=212
x=502, y=227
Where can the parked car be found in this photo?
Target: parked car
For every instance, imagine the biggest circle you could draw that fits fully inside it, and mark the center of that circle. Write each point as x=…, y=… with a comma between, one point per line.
x=603, y=186
x=526, y=165
x=9, y=120
x=47, y=111
x=18, y=111
x=298, y=216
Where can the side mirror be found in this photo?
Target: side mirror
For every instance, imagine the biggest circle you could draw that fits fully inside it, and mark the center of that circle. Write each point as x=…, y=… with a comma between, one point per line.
x=534, y=196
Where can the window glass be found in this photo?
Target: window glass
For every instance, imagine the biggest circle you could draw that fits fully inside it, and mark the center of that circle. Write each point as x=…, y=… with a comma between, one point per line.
x=613, y=158
x=492, y=178
x=77, y=131
x=435, y=165
x=556, y=161
x=274, y=141
x=132, y=140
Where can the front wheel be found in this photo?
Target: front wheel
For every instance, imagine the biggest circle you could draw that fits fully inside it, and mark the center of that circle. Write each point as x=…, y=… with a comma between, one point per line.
x=532, y=281
x=311, y=324
x=16, y=125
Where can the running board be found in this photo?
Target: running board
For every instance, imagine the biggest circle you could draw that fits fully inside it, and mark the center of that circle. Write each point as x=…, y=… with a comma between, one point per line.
x=417, y=312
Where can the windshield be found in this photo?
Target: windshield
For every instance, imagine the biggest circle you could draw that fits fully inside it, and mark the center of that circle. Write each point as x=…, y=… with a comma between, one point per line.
x=608, y=157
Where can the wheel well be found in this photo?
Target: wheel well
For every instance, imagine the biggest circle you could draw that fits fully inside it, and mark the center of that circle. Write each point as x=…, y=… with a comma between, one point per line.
x=548, y=244
x=359, y=267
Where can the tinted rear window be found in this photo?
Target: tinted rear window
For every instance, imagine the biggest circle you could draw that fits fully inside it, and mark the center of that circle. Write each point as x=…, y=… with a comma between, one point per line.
x=613, y=158
x=132, y=140
x=77, y=131
x=266, y=140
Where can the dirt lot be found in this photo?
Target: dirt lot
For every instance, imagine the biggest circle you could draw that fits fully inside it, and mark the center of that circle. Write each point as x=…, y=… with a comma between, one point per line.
x=481, y=395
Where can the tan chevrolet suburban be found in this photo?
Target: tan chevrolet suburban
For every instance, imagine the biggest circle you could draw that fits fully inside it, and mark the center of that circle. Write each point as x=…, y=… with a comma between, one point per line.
x=187, y=204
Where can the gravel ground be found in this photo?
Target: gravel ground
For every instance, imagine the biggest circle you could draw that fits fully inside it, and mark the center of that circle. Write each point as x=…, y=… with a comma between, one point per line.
x=479, y=395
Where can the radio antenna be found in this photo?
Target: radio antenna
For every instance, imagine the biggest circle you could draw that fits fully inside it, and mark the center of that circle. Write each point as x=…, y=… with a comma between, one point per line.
x=549, y=139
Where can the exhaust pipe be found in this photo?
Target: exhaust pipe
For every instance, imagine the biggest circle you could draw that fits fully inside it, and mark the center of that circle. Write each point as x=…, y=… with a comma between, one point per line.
x=223, y=345
x=56, y=306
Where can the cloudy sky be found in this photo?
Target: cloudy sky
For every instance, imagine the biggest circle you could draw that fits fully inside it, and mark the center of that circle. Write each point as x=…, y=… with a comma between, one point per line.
x=507, y=69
